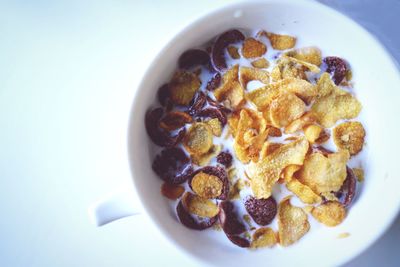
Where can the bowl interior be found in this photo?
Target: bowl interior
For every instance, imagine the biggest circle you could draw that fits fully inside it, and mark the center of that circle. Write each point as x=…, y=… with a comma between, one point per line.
x=375, y=75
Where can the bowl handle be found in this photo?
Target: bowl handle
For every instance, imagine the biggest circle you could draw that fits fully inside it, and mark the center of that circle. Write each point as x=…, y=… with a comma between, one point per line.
x=118, y=205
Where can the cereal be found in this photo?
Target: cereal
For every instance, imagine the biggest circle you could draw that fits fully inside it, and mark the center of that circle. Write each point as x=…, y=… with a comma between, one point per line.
x=233, y=51
x=225, y=158
x=337, y=67
x=158, y=135
x=262, y=210
x=330, y=213
x=261, y=63
x=313, y=132
x=198, y=139
x=173, y=166
x=175, y=120
x=303, y=192
x=350, y=136
x=273, y=139
x=324, y=174
x=265, y=173
x=224, y=40
x=280, y=41
x=189, y=221
x=206, y=186
x=216, y=126
x=308, y=54
x=253, y=48
x=264, y=237
x=171, y=191
x=248, y=74
x=229, y=219
x=331, y=108
x=193, y=57
x=230, y=92
x=286, y=108
x=292, y=222
x=298, y=124
x=183, y=86
x=199, y=206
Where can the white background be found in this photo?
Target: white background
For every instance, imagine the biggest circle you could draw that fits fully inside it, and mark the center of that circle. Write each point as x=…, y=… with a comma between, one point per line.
x=68, y=71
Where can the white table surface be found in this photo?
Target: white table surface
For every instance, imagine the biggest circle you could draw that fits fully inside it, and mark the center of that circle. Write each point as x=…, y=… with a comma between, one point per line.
x=68, y=71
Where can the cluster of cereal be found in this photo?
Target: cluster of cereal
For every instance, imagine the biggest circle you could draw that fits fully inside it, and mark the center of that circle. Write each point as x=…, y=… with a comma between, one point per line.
x=302, y=99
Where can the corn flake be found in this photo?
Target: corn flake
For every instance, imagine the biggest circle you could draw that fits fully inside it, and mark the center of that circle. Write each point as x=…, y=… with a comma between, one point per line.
x=349, y=136
x=298, y=124
x=253, y=48
x=333, y=107
x=281, y=42
x=266, y=172
x=303, y=192
x=248, y=74
x=261, y=63
x=312, y=132
x=330, y=213
x=308, y=54
x=324, y=174
x=286, y=108
x=292, y=222
x=288, y=172
x=359, y=173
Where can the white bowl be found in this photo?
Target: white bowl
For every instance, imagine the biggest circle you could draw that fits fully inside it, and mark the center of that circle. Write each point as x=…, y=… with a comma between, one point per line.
x=376, y=85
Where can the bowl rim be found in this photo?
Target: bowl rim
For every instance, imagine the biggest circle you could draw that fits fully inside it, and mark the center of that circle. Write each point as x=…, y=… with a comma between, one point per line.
x=193, y=23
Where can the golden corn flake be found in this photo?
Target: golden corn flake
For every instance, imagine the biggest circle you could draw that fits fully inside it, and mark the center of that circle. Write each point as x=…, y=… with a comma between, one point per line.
x=301, y=88
x=288, y=172
x=199, y=206
x=183, y=86
x=303, y=192
x=206, y=185
x=311, y=67
x=261, y=63
x=280, y=41
x=233, y=52
x=266, y=172
x=359, y=173
x=323, y=137
x=198, y=139
x=330, y=213
x=263, y=237
x=292, y=222
x=325, y=85
x=350, y=136
x=233, y=122
x=331, y=108
x=248, y=74
x=253, y=48
x=324, y=174
x=343, y=235
x=313, y=132
x=329, y=196
x=262, y=97
x=204, y=159
x=268, y=148
x=231, y=93
x=298, y=124
x=216, y=126
x=175, y=120
x=241, y=153
x=308, y=54
x=251, y=123
x=286, y=108
x=286, y=68
x=172, y=192
x=273, y=131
